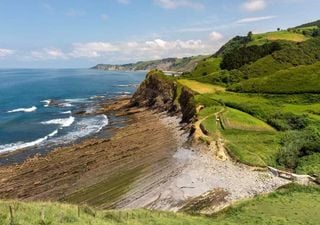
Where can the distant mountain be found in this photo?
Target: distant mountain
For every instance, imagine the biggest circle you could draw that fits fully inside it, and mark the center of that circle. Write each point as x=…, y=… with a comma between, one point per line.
x=185, y=64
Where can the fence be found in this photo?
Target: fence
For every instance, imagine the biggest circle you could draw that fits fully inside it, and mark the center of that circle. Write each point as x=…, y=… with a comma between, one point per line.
x=301, y=179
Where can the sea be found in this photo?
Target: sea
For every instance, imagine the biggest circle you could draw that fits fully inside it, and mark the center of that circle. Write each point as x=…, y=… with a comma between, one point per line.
x=39, y=108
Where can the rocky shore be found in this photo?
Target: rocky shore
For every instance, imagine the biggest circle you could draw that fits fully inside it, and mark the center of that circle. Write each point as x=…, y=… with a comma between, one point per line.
x=151, y=163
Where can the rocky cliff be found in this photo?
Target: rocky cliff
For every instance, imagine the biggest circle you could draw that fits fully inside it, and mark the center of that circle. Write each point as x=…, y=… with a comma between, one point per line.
x=161, y=92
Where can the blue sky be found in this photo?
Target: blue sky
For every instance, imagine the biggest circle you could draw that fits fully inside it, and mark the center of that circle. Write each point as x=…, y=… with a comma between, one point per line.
x=82, y=33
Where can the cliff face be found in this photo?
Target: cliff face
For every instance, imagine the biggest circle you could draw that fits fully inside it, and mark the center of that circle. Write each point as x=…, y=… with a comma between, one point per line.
x=162, y=93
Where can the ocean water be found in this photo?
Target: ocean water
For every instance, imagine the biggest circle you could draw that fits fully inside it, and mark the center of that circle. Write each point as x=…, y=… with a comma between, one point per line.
x=38, y=106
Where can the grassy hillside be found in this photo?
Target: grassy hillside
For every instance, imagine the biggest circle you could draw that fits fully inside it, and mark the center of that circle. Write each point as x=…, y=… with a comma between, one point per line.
x=260, y=39
x=291, y=205
x=302, y=79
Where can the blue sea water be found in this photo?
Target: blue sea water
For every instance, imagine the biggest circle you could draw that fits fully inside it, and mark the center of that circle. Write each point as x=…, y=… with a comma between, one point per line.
x=37, y=106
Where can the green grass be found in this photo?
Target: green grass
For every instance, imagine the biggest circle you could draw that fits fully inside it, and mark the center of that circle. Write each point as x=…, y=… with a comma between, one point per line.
x=301, y=79
x=309, y=165
x=260, y=39
x=201, y=88
x=261, y=106
x=235, y=119
x=264, y=67
x=252, y=147
x=291, y=205
x=288, y=206
x=207, y=66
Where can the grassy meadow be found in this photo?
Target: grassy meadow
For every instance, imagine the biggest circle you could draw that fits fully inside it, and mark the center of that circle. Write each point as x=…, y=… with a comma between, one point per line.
x=287, y=206
x=259, y=39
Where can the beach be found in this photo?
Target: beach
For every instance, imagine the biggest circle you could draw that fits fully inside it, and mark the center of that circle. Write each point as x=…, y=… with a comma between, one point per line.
x=149, y=163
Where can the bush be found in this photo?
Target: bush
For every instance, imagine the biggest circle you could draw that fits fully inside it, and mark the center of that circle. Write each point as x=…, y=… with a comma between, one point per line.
x=288, y=121
x=297, y=144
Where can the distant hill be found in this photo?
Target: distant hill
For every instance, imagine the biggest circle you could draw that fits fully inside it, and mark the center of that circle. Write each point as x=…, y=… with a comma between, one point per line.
x=169, y=64
x=311, y=24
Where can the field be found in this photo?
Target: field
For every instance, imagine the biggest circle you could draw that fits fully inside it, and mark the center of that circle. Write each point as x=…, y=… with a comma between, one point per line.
x=235, y=119
x=259, y=39
x=252, y=147
x=291, y=205
x=247, y=132
x=201, y=88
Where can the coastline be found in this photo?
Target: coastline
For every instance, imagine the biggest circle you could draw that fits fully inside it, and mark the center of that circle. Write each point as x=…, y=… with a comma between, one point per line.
x=149, y=163
x=67, y=169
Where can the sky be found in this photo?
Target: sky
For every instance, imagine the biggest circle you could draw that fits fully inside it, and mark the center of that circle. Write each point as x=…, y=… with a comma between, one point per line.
x=83, y=33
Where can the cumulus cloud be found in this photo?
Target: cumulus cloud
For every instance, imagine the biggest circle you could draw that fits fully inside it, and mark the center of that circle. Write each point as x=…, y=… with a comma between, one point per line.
x=6, y=52
x=92, y=49
x=173, y=4
x=255, y=19
x=134, y=51
x=118, y=52
x=254, y=5
x=215, y=36
x=47, y=53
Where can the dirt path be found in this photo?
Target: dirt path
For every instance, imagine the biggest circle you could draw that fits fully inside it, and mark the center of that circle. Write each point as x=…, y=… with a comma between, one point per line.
x=216, y=145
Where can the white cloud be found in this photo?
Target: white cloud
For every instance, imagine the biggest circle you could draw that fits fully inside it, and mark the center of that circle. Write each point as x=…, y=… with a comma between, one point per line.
x=254, y=5
x=47, y=53
x=255, y=19
x=132, y=51
x=173, y=4
x=215, y=36
x=119, y=52
x=6, y=52
x=92, y=49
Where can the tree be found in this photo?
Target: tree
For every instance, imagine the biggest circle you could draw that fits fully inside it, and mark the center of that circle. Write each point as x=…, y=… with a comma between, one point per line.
x=278, y=29
x=250, y=36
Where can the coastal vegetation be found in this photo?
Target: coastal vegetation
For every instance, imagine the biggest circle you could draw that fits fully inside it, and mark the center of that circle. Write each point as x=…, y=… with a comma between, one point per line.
x=270, y=102
x=292, y=204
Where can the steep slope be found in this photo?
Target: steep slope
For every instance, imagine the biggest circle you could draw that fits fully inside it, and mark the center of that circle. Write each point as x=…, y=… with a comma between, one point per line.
x=301, y=79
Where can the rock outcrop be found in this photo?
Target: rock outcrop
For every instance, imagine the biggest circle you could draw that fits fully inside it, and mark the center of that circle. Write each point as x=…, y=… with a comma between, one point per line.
x=161, y=92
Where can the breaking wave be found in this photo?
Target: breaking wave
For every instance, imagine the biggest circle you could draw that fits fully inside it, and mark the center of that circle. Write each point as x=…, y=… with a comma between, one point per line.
x=27, y=110
x=21, y=145
x=64, y=122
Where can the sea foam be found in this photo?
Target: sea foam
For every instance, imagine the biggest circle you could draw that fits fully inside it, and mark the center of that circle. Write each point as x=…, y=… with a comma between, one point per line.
x=27, y=110
x=64, y=122
x=21, y=145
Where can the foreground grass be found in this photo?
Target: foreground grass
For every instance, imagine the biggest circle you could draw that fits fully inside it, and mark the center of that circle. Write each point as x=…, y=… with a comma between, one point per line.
x=291, y=205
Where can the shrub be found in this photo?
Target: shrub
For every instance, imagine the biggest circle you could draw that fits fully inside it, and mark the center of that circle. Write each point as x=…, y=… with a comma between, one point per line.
x=288, y=121
x=297, y=144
